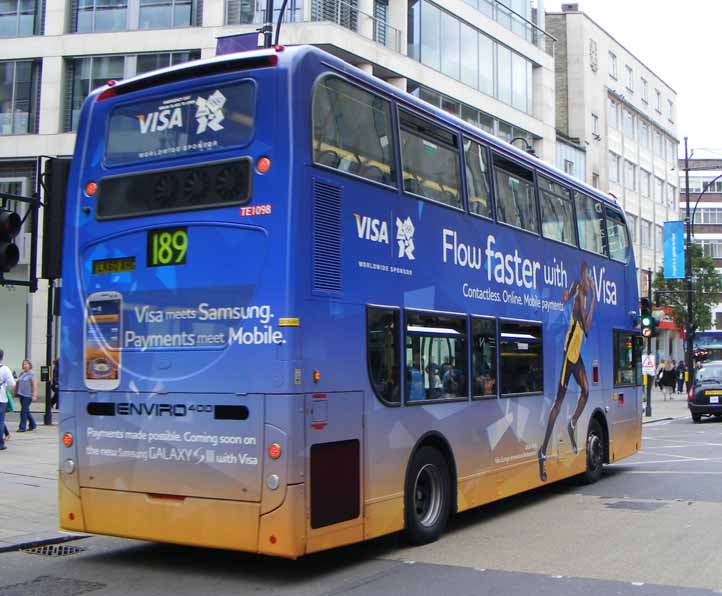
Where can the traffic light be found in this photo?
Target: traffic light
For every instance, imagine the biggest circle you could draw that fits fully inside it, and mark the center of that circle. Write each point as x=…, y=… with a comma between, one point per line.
x=649, y=325
x=10, y=223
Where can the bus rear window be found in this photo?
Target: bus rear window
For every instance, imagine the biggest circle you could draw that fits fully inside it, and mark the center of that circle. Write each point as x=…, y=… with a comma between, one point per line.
x=204, y=120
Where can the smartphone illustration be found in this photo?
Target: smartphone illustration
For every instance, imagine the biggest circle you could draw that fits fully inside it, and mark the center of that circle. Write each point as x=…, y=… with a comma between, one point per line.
x=103, y=328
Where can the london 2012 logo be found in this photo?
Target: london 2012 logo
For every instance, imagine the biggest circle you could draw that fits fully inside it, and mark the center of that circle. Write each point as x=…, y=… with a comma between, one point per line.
x=209, y=112
x=405, y=238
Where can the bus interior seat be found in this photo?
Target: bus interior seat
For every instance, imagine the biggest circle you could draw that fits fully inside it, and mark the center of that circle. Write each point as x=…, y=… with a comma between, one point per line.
x=373, y=173
x=414, y=186
x=328, y=158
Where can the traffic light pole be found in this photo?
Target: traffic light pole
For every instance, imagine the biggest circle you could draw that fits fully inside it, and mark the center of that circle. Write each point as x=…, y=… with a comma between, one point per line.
x=650, y=378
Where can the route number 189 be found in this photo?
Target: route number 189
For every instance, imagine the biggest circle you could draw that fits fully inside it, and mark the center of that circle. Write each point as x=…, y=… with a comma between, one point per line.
x=167, y=246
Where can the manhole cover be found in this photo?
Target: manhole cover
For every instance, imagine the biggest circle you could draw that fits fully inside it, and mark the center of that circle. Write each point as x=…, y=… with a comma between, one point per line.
x=636, y=505
x=54, y=550
x=47, y=585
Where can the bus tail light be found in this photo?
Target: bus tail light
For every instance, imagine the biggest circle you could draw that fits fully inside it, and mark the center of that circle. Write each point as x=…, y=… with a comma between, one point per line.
x=274, y=451
x=68, y=440
x=91, y=188
x=107, y=94
x=263, y=165
x=690, y=394
x=316, y=376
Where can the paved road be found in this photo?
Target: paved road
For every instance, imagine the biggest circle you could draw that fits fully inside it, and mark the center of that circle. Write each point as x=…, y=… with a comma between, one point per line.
x=650, y=526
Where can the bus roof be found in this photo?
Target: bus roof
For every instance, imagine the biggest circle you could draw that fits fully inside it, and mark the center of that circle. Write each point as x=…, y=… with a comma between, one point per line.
x=285, y=56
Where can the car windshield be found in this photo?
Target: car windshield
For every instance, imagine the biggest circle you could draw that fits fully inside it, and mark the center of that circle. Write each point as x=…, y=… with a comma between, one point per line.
x=712, y=373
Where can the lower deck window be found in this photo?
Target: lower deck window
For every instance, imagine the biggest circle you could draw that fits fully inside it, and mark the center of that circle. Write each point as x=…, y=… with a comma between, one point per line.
x=436, y=362
x=521, y=358
x=483, y=357
x=382, y=338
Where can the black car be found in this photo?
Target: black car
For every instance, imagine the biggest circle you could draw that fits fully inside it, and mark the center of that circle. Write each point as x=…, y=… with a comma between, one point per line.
x=705, y=396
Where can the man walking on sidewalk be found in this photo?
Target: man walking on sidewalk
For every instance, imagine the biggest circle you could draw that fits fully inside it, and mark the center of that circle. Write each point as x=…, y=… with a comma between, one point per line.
x=7, y=383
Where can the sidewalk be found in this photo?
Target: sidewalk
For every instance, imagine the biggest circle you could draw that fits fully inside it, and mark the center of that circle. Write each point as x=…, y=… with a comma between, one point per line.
x=28, y=486
x=664, y=410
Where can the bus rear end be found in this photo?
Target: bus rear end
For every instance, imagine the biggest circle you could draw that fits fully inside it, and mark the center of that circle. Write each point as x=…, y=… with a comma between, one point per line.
x=177, y=325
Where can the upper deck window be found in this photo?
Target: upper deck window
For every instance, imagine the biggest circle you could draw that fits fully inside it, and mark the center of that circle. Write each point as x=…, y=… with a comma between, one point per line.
x=618, y=238
x=430, y=160
x=477, y=178
x=352, y=131
x=556, y=211
x=193, y=122
x=515, y=202
x=590, y=221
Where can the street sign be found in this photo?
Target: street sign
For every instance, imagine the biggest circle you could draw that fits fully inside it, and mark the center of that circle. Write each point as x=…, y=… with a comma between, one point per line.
x=648, y=364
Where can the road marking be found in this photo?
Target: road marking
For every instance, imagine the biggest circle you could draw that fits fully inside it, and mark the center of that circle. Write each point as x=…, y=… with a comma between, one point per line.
x=668, y=455
x=674, y=472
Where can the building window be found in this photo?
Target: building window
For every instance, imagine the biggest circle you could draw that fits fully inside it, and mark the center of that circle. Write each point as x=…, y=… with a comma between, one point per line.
x=595, y=180
x=595, y=125
x=439, y=40
x=658, y=100
x=646, y=233
x=644, y=134
x=90, y=16
x=630, y=175
x=88, y=73
x=612, y=113
x=381, y=18
x=593, y=59
x=20, y=17
x=469, y=114
x=612, y=65
x=658, y=190
x=628, y=118
x=671, y=194
x=245, y=12
x=645, y=89
x=644, y=182
x=658, y=238
x=19, y=96
x=658, y=144
x=632, y=227
x=614, y=173
x=670, y=110
x=630, y=77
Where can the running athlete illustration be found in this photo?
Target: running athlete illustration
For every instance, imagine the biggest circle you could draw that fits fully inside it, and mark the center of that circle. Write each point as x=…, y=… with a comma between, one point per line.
x=582, y=294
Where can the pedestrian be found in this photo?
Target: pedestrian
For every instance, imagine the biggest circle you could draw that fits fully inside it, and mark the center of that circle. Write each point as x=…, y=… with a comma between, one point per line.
x=681, y=370
x=26, y=390
x=55, y=385
x=7, y=383
x=668, y=379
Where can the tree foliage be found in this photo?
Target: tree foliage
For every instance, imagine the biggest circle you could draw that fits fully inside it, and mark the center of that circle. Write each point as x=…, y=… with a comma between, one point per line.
x=706, y=291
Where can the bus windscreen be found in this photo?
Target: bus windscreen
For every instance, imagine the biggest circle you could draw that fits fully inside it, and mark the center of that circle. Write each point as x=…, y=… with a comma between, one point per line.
x=208, y=119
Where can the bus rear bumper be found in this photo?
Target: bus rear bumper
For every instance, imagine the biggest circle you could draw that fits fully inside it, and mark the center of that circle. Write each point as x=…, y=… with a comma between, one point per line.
x=212, y=523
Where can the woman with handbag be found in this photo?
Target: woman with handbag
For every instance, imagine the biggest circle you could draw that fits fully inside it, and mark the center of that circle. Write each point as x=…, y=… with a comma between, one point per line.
x=26, y=390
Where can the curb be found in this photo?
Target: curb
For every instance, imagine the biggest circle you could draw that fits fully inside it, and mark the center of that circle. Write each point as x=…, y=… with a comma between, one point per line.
x=658, y=420
x=33, y=540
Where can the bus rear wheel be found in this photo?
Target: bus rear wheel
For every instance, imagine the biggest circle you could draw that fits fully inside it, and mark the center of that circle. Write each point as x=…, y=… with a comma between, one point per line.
x=427, y=496
x=595, y=453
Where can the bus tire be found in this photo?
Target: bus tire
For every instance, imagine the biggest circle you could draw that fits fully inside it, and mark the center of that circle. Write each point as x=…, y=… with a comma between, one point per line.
x=427, y=496
x=595, y=453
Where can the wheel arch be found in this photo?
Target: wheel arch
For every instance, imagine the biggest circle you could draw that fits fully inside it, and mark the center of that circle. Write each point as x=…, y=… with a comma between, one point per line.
x=439, y=442
x=599, y=416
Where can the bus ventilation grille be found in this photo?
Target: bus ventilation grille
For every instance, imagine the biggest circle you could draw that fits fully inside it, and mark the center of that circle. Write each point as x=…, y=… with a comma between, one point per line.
x=326, y=237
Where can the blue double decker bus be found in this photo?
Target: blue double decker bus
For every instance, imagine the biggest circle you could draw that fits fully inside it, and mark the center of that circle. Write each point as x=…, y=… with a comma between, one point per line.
x=303, y=309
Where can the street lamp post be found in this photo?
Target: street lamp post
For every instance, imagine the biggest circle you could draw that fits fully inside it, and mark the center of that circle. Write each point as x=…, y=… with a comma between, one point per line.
x=689, y=221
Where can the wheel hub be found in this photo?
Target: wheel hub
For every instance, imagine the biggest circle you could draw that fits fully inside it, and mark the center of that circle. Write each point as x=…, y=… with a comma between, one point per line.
x=428, y=495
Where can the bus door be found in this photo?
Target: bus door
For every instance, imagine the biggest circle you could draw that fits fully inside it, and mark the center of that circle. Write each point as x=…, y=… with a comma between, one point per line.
x=334, y=445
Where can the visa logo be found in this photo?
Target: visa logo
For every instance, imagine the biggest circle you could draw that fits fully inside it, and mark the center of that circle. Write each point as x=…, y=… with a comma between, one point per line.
x=372, y=229
x=160, y=120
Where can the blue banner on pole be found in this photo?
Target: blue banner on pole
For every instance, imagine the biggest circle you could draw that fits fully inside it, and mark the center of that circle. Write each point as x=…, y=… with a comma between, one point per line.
x=674, y=250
